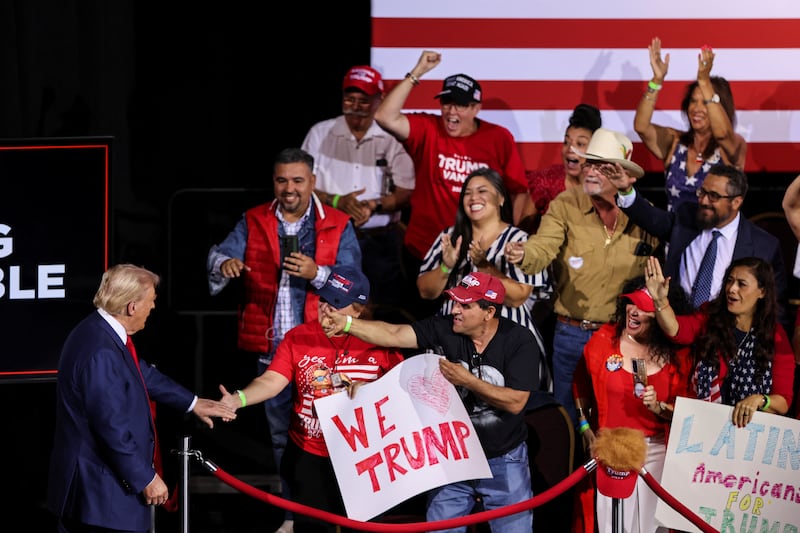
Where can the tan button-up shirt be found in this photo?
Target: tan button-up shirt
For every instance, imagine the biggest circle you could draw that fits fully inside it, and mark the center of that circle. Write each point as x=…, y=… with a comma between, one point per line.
x=588, y=274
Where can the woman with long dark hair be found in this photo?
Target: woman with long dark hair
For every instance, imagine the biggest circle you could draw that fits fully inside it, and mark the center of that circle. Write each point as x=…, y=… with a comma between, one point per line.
x=476, y=242
x=742, y=354
x=711, y=138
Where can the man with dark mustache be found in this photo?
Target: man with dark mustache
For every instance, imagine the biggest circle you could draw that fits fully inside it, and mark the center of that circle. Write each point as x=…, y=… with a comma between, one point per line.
x=365, y=172
x=281, y=249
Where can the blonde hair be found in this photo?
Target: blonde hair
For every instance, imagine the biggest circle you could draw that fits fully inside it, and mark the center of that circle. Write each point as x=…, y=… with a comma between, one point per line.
x=122, y=284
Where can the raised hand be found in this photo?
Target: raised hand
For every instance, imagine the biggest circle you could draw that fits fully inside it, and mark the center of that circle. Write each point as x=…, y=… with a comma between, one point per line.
x=660, y=66
x=705, y=60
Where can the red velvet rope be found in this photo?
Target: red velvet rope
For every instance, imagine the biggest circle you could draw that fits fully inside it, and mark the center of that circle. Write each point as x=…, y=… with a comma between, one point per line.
x=673, y=502
x=483, y=516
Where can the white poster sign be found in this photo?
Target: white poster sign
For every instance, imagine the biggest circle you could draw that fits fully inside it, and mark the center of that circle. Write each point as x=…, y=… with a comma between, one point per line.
x=736, y=479
x=401, y=435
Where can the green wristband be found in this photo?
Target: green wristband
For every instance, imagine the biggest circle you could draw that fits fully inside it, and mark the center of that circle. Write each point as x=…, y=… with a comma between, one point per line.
x=766, y=403
x=583, y=426
x=444, y=268
x=335, y=202
x=653, y=86
x=242, y=397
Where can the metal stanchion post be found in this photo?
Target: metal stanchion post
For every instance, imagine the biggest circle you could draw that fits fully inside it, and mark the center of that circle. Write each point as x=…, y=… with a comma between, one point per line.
x=616, y=515
x=184, y=505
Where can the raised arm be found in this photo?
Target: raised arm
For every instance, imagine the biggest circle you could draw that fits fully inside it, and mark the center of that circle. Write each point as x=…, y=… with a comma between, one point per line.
x=658, y=286
x=791, y=206
x=733, y=145
x=657, y=139
x=374, y=331
x=389, y=114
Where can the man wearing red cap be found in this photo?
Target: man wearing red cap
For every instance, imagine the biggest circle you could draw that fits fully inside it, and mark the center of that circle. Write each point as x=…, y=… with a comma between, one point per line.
x=365, y=172
x=493, y=362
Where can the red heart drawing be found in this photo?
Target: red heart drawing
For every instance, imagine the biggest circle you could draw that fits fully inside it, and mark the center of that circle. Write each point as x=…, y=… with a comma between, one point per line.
x=432, y=391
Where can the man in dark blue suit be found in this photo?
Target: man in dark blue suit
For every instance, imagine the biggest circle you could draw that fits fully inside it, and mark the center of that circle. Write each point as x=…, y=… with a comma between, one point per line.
x=689, y=230
x=102, y=472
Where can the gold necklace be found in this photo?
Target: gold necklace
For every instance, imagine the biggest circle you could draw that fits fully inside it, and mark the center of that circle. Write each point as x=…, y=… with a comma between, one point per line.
x=610, y=234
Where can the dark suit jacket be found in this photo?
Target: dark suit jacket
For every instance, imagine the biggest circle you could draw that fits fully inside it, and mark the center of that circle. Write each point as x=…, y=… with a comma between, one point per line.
x=680, y=229
x=102, y=455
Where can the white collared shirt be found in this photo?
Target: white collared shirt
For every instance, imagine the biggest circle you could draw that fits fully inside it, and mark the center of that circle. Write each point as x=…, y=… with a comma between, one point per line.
x=693, y=256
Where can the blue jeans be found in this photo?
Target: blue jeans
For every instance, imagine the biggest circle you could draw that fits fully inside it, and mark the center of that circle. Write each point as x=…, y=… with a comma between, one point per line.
x=511, y=483
x=279, y=413
x=568, y=343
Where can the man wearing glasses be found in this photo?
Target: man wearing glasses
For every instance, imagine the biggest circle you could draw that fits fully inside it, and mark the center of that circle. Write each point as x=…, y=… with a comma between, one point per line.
x=365, y=172
x=714, y=222
x=493, y=362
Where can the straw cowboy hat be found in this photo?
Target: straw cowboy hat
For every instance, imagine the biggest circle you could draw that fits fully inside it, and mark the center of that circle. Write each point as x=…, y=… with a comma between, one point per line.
x=610, y=146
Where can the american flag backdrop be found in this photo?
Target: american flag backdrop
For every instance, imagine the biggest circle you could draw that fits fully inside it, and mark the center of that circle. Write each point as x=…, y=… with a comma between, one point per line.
x=537, y=59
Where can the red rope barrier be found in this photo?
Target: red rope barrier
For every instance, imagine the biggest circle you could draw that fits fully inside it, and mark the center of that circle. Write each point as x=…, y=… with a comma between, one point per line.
x=673, y=502
x=483, y=516
x=410, y=527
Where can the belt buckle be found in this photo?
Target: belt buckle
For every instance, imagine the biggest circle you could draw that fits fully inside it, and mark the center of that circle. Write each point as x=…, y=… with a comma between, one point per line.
x=586, y=325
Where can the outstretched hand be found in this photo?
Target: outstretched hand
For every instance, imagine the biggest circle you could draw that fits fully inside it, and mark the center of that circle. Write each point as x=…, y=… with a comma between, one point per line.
x=205, y=409
x=515, y=252
x=232, y=401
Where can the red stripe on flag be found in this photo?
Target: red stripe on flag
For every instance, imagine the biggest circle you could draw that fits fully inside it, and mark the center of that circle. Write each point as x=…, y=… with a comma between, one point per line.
x=436, y=33
x=761, y=157
x=748, y=95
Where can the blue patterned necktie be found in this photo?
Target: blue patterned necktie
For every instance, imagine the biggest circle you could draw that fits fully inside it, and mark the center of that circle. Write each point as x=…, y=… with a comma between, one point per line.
x=701, y=292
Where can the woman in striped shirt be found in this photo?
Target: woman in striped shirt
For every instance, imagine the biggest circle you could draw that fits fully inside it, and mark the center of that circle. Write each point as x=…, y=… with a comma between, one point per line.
x=476, y=243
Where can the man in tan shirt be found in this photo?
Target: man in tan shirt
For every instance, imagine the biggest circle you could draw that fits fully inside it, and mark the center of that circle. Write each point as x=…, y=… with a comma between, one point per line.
x=593, y=249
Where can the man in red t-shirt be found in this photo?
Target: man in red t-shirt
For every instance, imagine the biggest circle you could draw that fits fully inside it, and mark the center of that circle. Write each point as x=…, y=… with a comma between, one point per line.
x=445, y=149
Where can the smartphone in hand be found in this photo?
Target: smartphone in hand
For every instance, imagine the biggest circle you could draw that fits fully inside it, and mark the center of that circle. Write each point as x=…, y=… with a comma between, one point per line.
x=639, y=377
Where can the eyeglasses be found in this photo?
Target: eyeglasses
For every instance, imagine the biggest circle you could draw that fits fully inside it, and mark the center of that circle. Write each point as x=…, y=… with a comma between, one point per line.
x=713, y=197
x=475, y=362
x=458, y=107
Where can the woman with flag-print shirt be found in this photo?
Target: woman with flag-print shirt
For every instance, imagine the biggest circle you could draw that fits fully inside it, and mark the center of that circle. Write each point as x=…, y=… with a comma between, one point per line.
x=742, y=354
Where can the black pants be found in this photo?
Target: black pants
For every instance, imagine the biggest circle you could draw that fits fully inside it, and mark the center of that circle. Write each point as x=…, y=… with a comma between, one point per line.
x=312, y=482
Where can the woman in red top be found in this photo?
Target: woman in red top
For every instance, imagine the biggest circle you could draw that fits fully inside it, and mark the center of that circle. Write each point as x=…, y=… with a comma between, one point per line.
x=606, y=380
x=740, y=361
x=318, y=366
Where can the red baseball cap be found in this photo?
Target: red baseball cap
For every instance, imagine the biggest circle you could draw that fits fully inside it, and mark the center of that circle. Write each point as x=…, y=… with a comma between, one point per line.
x=478, y=286
x=615, y=483
x=364, y=78
x=642, y=299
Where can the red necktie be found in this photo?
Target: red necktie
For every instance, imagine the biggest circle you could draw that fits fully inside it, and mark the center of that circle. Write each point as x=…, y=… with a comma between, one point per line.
x=172, y=502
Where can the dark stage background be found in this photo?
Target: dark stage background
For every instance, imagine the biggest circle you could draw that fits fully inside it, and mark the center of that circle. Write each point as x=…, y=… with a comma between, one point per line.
x=198, y=98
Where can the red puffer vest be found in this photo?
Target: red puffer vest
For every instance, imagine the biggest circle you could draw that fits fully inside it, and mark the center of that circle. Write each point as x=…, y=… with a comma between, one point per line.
x=263, y=256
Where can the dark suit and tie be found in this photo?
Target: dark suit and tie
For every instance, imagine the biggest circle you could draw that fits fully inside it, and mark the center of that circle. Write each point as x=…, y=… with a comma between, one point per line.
x=102, y=473
x=681, y=227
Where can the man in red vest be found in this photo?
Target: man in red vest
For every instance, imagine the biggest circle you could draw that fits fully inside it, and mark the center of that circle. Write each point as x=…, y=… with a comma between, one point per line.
x=281, y=250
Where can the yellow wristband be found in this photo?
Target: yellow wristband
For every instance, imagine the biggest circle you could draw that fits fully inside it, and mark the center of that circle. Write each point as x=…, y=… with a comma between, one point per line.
x=242, y=397
x=347, y=325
